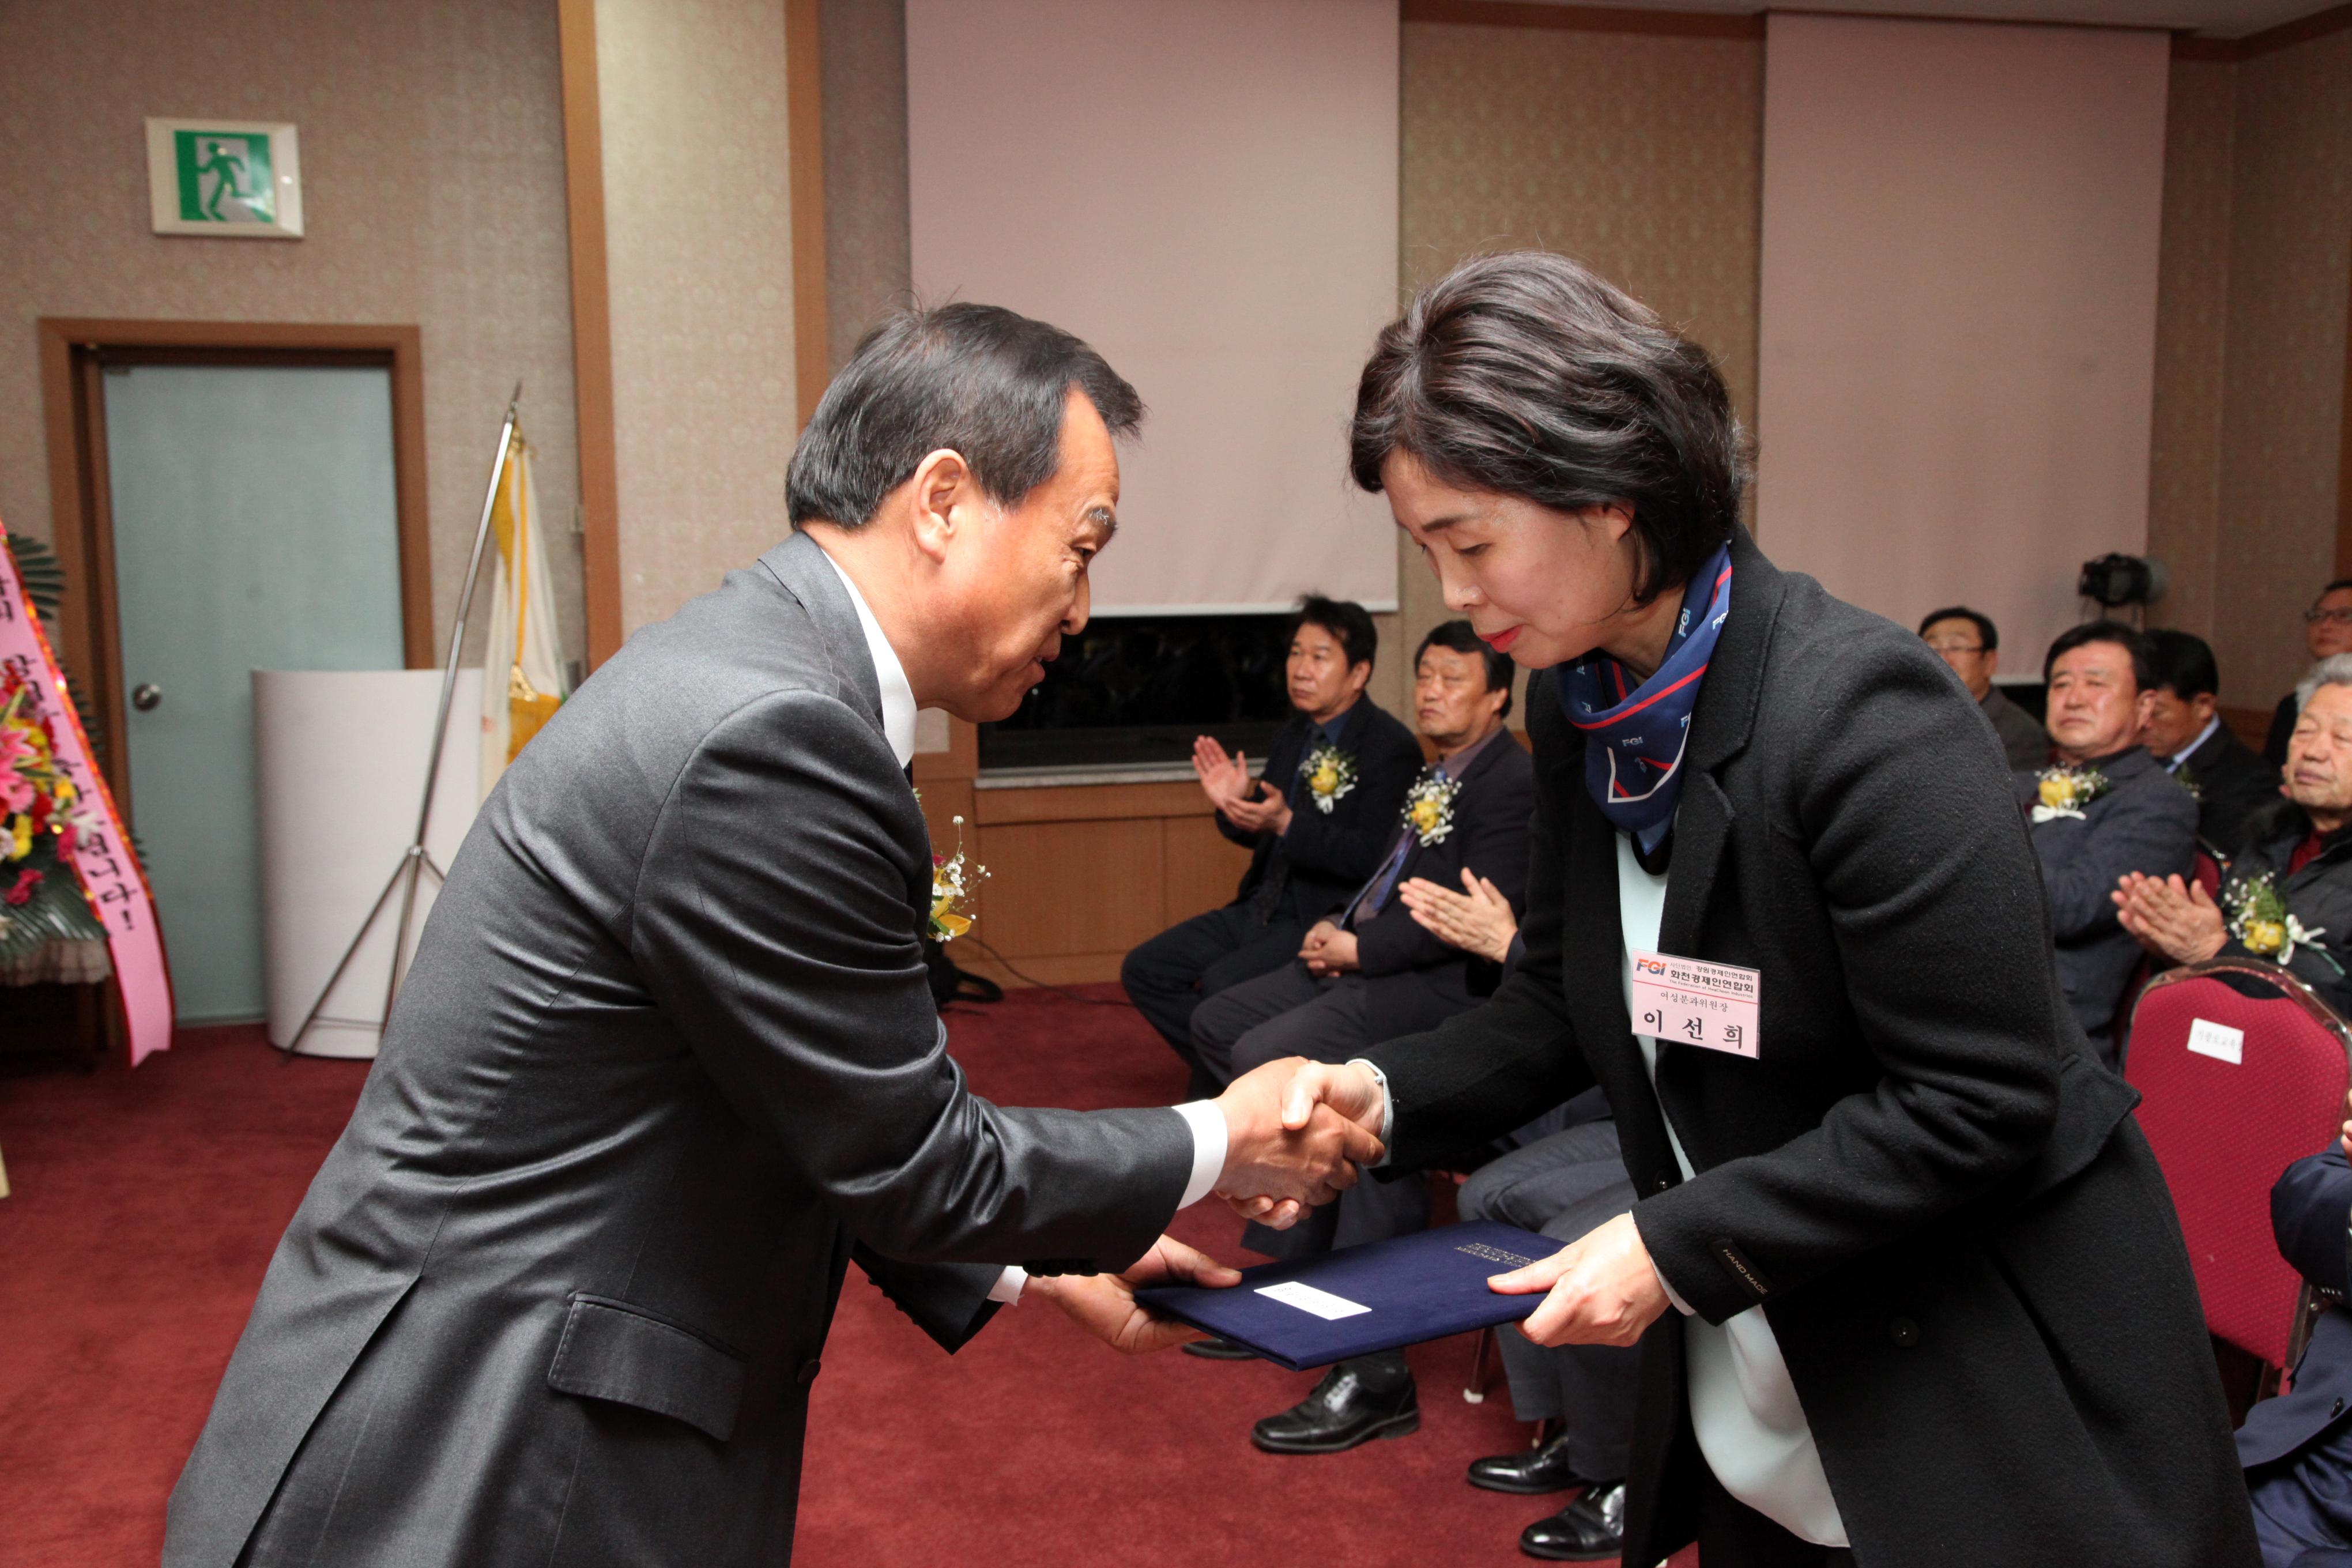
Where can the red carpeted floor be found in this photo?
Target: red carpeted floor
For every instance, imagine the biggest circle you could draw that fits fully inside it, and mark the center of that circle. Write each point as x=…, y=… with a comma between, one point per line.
x=146, y=1205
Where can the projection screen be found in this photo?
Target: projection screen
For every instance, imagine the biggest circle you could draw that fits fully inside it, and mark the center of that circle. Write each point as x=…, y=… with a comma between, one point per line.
x=1207, y=193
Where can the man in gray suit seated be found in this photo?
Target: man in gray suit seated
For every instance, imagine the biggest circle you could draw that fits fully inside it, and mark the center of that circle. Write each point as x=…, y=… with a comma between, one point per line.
x=2104, y=810
x=668, y=1060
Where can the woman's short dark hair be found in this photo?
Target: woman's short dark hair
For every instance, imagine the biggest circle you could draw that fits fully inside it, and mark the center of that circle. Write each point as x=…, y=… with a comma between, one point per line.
x=1525, y=375
x=2126, y=638
x=976, y=379
x=1460, y=636
x=1345, y=619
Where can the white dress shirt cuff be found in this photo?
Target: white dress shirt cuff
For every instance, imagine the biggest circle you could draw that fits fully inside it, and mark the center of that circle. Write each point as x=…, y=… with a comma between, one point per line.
x=1388, y=1105
x=1007, y=1287
x=1208, y=1125
x=1671, y=1294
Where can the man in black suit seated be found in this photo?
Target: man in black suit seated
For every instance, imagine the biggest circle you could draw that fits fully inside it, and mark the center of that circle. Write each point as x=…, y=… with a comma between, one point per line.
x=2104, y=810
x=1318, y=821
x=2184, y=733
x=2289, y=894
x=1372, y=972
x=1967, y=641
x=2298, y=1447
x=2327, y=632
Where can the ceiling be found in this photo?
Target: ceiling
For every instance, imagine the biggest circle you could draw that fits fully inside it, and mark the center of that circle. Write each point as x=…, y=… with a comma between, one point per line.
x=2208, y=18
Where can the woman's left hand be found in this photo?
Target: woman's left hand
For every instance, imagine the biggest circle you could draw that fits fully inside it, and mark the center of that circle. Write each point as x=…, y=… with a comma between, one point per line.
x=1604, y=1289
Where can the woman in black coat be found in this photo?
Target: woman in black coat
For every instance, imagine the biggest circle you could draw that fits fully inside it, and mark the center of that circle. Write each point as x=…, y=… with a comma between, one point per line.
x=1908, y=1284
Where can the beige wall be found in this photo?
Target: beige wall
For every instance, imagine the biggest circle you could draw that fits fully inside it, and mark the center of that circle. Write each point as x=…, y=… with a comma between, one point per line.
x=868, y=272
x=433, y=194
x=2282, y=407
x=698, y=239
x=1641, y=155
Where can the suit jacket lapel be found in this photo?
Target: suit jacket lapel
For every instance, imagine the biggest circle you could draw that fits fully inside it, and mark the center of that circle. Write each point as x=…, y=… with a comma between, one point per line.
x=808, y=576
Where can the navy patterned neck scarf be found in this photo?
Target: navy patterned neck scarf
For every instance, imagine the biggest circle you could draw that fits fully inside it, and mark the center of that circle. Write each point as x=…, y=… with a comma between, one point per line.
x=1633, y=739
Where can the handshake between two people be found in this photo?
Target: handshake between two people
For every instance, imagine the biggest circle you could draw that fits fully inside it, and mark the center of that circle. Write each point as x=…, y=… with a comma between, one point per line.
x=1300, y=1133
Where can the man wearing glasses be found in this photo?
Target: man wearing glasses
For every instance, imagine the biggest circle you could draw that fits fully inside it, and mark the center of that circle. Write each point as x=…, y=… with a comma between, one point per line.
x=1965, y=639
x=2326, y=631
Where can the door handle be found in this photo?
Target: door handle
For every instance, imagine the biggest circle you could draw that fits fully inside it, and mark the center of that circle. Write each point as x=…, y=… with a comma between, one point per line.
x=146, y=696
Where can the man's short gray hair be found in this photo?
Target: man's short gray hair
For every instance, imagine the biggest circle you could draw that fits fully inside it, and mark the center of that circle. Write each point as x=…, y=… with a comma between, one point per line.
x=2336, y=669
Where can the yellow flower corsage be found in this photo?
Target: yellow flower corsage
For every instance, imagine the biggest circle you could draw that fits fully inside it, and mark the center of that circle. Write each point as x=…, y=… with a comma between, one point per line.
x=1428, y=806
x=1329, y=773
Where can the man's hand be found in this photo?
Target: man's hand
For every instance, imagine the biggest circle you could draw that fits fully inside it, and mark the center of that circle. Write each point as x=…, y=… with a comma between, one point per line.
x=2170, y=917
x=1224, y=779
x=1279, y=1160
x=1314, y=1090
x=1604, y=1291
x=1104, y=1306
x=1328, y=950
x=1269, y=813
x=1479, y=920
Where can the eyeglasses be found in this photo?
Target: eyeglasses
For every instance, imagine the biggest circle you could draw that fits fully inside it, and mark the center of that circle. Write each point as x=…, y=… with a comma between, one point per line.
x=1965, y=647
x=2341, y=617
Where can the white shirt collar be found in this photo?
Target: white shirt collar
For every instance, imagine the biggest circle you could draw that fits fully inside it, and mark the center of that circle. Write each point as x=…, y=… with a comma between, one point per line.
x=2172, y=764
x=897, y=697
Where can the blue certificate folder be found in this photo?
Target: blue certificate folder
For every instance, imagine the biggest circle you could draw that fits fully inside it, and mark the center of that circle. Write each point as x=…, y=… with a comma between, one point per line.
x=1378, y=1297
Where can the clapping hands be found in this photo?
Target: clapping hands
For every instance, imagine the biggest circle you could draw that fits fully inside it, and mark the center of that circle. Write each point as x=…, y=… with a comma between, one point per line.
x=1477, y=919
x=1226, y=781
x=2171, y=918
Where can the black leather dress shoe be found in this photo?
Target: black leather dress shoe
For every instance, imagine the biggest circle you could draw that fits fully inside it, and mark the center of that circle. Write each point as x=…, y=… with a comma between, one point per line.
x=1589, y=1530
x=1542, y=1468
x=1340, y=1414
x=1219, y=1350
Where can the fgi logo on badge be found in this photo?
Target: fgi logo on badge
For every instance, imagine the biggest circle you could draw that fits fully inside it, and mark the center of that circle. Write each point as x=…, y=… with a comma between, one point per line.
x=1693, y=1003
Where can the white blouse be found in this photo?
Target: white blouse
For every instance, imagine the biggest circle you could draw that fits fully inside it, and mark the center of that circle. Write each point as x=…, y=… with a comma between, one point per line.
x=1744, y=1409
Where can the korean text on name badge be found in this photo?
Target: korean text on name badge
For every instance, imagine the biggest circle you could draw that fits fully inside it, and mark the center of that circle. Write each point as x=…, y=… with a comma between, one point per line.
x=1693, y=1003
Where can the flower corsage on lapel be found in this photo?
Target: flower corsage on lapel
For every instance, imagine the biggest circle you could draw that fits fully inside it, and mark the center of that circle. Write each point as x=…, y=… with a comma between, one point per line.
x=2065, y=789
x=2260, y=922
x=1428, y=806
x=1329, y=773
x=952, y=889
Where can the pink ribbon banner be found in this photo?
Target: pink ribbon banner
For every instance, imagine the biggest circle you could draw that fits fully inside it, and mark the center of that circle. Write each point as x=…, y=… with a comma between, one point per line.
x=102, y=857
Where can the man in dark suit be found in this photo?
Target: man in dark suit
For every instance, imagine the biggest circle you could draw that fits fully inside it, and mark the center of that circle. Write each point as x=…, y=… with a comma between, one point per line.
x=2185, y=734
x=667, y=1062
x=2298, y=1447
x=1317, y=823
x=2104, y=811
x=1969, y=642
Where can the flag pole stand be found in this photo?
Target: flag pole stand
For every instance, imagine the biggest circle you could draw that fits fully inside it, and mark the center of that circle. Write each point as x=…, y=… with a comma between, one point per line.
x=416, y=861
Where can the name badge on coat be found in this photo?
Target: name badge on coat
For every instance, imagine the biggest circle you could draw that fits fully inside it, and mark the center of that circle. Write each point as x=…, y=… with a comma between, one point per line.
x=1693, y=1003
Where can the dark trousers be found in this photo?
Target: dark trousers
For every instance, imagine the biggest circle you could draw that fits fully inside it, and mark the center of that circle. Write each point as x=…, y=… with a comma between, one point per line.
x=2302, y=1503
x=1169, y=976
x=1565, y=1185
x=1733, y=1535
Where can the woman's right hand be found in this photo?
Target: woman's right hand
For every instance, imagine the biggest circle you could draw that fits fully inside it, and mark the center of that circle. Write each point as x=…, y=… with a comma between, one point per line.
x=1477, y=921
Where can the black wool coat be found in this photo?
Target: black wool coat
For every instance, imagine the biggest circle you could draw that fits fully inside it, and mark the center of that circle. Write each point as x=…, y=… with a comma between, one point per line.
x=1326, y=856
x=1957, y=1232
x=1411, y=980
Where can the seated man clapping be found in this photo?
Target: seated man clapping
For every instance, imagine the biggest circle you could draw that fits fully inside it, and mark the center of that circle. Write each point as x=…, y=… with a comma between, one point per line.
x=2288, y=896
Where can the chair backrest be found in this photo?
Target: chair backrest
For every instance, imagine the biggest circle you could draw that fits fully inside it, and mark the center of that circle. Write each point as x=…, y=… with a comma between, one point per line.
x=2243, y=1070
x=2205, y=871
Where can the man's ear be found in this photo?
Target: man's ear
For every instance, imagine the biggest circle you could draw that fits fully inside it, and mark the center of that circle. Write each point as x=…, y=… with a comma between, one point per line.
x=1992, y=663
x=1357, y=674
x=940, y=481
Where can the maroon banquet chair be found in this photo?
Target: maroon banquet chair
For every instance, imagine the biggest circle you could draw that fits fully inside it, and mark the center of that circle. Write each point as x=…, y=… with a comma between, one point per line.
x=2243, y=1070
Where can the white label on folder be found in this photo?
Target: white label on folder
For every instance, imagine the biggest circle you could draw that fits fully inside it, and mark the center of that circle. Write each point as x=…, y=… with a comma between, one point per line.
x=1307, y=1299
x=2220, y=1041
x=1693, y=1003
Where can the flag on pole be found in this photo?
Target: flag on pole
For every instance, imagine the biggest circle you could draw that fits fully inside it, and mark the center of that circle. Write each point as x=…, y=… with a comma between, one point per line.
x=524, y=681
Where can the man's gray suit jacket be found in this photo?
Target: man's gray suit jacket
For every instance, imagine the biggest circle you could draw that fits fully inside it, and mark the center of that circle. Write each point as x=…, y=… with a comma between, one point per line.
x=666, y=1062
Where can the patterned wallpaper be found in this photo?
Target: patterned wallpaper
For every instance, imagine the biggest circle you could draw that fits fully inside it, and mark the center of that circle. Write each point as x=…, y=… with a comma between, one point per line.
x=2192, y=317
x=2282, y=417
x=1641, y=156
x=433, y=191
x=698, y=241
